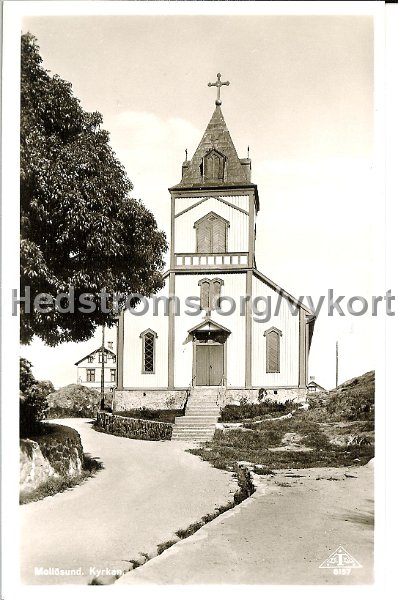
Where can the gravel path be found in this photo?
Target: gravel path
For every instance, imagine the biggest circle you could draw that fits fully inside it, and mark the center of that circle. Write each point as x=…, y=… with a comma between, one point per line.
x=146, y=492
x=281, y=535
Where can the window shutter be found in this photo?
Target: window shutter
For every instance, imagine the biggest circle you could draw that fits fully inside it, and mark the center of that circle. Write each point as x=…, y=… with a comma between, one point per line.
x=213, y=167
x=219, y=236
x=205, y=295
x=215, y=293
x=273, y=352
x=203, y=237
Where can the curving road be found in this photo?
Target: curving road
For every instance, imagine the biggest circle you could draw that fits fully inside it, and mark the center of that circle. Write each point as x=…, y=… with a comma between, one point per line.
x=146, y=492
x=281, y=535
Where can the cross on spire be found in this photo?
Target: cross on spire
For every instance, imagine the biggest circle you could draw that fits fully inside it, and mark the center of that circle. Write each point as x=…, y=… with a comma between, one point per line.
x=218, y=85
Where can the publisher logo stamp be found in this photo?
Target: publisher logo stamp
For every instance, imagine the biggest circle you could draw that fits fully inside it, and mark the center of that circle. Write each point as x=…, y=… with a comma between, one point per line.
x=341, y=562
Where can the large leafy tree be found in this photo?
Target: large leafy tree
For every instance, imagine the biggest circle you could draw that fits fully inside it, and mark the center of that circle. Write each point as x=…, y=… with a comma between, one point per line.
x=79, y=226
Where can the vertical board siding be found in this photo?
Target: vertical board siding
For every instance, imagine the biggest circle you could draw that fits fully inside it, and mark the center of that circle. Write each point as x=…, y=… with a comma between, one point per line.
x=289, y=341
x=234, y=286
x=237, y=232
x=132, y=360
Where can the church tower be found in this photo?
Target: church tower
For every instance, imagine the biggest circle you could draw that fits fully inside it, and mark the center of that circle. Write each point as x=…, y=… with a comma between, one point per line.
x=213, y=211
x=218, y=339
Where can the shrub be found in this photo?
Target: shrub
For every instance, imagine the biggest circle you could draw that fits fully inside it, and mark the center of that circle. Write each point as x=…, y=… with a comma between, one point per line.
x=33, y=404
x=165, y=545
x=149, y=414
x=268, y=408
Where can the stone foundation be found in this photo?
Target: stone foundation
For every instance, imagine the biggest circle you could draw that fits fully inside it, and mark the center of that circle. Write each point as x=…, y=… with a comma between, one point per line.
x=281, y=395
x=154, y=399
x=175, y=399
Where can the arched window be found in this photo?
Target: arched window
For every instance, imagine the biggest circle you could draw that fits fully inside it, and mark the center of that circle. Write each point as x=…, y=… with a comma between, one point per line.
x=148, y=350
x=273, y=349
x=213, y=167
x=211, y=234
x=210, y=292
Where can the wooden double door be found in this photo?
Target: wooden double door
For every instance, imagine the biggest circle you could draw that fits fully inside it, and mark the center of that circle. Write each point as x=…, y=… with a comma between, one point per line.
x=209, y=364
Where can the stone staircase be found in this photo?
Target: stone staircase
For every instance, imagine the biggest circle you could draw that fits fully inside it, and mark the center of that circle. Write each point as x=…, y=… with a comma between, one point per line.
x=201, y=414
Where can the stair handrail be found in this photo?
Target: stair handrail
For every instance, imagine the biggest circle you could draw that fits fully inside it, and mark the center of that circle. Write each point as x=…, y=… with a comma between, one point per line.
x=188, y=393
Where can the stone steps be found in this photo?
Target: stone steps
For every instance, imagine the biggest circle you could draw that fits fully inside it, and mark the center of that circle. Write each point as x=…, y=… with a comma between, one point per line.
x=196, y=420
x=201, y=414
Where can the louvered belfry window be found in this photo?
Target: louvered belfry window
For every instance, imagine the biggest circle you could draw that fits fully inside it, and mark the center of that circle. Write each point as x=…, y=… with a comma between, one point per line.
x=211, y=235
x=215, y=293
x=204, y=294
x=210, y=292
x=272, y=338
x=148, y=351
x=213, y=167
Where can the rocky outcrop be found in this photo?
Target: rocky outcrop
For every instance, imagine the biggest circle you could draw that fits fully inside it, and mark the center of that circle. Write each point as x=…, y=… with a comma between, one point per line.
x=56, y=453
x=73, y=400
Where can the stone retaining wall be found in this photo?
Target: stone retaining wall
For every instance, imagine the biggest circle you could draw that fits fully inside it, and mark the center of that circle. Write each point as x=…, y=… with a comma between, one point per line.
x=57, y=453
x=138, y=429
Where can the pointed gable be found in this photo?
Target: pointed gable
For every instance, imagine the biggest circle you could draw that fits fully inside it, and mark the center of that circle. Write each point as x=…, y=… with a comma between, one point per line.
x=215, y=161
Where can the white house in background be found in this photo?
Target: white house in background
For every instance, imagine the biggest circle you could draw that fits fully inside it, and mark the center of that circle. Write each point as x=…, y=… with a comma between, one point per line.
x=212, y=255
x=89, y=368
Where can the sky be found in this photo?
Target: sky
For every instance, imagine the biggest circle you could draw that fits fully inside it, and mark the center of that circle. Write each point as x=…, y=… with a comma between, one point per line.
x=300, y=95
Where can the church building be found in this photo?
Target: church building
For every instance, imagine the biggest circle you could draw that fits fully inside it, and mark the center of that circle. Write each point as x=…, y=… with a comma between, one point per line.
x=167, y=356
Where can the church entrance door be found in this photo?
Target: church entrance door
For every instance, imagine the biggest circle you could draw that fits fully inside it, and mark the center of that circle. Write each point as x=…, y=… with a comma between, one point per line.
x=209, y=364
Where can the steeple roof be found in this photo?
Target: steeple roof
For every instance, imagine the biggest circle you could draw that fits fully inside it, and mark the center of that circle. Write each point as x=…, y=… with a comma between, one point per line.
x=217, y=138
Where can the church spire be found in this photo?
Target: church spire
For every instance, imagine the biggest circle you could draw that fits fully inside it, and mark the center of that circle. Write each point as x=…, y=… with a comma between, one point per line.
x=215, y=162
x=216, y=150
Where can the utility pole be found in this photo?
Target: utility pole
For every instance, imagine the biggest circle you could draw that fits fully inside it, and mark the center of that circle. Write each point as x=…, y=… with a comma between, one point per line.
x=103, y=369
x=337, y=363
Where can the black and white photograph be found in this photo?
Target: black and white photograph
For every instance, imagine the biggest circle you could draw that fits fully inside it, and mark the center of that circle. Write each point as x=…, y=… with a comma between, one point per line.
x=196, y=295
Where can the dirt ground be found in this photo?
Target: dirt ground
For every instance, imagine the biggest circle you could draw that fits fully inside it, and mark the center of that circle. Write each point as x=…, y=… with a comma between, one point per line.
x=281, y=535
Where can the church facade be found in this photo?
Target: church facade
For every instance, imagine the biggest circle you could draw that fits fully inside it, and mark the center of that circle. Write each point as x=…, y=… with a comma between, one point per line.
x=190, y=335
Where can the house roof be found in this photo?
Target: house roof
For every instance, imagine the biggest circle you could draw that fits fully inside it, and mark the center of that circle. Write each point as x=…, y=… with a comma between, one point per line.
x=106, y=351
x=216, y=137
x=314, y=383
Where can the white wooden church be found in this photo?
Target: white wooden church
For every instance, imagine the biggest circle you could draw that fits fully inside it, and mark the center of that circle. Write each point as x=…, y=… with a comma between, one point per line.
x=212, y=255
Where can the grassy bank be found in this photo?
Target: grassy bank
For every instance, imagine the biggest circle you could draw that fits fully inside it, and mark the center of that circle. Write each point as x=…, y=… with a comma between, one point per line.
x=336, y=430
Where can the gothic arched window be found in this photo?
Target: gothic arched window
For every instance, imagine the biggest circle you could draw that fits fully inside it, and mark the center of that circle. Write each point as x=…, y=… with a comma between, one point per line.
x=211, y=234
x=273, y=350
x=213, y=166
x=148, y=350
